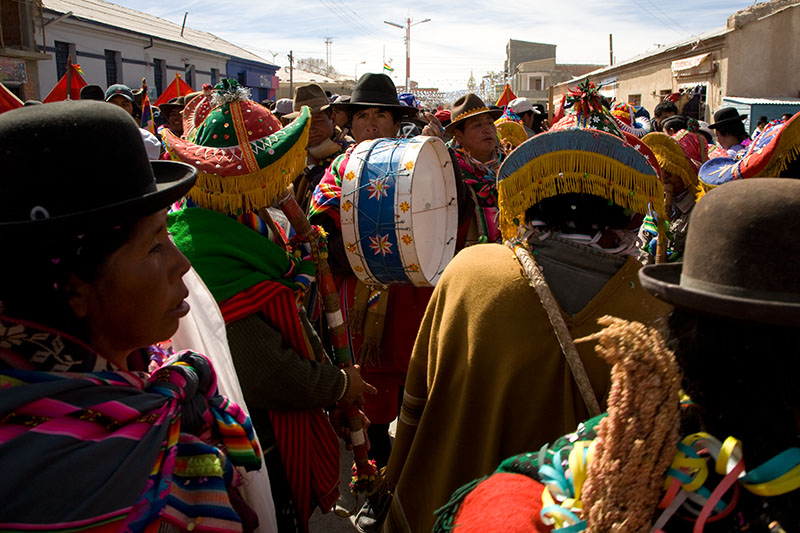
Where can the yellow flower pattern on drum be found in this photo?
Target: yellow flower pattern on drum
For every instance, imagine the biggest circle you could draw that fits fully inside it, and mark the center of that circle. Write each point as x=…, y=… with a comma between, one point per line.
x=409, y=165
x=358, y=268
x=350, y=176
x=413, y=267
x=347, y=205
x=351, y=247
x=404, y=207
x=407, y=239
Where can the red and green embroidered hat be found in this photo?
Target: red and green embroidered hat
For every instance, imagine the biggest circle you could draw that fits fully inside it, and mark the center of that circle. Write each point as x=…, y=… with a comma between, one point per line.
x=243, y=157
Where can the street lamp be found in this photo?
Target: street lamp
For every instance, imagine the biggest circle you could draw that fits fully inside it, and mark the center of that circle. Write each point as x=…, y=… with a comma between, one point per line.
x=355, y=77
x=408, y=45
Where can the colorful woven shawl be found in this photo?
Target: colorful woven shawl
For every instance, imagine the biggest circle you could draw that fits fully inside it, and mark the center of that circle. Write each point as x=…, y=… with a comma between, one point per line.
x=306, y=441
x=247, y=274
x=328, y=193
x=230, y=257
x=482, y=181
x=133, y=448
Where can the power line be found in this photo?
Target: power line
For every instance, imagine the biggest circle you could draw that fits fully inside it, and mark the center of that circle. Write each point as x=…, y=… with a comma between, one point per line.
x=673, y=21
x=342, y=14
x=357, y=15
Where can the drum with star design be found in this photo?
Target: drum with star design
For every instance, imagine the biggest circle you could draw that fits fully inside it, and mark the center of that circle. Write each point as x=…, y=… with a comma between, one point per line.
x=399, y=211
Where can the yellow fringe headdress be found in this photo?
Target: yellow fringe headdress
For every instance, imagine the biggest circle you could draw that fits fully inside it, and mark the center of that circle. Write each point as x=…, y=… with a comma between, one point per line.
x=244, y=158
x=510, y=132
x=672, y=156
x=585, y=154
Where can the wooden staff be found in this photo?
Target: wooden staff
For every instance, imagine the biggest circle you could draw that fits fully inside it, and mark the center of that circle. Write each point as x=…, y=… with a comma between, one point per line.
x=662, y=243
x=330, y=298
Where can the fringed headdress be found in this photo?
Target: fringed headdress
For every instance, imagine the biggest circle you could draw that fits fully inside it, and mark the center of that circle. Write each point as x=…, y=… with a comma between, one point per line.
x=625, y=117
x=680, y=154
x=243, y=156
x=198, y=106
x=510, y=130
x=586, y=153
x=767, y=156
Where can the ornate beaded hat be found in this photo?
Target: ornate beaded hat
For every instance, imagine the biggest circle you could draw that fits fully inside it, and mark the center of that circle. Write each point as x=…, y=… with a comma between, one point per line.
x=584, y=152
x=243, y=157
x=772, y=153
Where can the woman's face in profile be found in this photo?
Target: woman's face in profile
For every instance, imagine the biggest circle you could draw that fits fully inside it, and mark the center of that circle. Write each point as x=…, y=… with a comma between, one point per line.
x=138, y=297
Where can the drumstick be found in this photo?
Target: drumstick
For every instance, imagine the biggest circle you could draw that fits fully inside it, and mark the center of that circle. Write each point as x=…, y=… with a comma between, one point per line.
x=330, y=298
x=662, y=243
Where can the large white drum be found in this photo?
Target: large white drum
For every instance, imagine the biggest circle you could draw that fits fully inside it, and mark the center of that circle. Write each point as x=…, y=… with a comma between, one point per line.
x=399, y=211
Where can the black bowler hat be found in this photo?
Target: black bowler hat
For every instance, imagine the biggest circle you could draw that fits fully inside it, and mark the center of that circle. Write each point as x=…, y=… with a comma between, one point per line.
x=93, y=92
x=376, y=90
x=726, y=115
x=72, y=166
x=729, y=265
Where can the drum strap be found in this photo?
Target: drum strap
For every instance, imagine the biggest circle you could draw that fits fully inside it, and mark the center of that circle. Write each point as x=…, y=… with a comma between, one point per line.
x=536, y=278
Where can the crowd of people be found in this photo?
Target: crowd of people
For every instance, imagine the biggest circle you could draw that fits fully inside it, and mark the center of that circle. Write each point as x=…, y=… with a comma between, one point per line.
x=187, y=330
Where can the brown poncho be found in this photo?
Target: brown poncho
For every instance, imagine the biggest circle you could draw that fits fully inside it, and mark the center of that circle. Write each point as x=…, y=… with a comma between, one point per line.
x=487, y=378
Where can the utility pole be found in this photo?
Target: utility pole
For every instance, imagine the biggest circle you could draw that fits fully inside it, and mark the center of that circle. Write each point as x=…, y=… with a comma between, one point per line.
x=408, y=45
x=328, y=43
x=291, y=73
x=610, y=49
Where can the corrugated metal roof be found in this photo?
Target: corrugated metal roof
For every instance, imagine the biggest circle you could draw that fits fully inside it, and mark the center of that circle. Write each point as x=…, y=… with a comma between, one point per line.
x=762, y=101
x=149, y=25
x=668, y=48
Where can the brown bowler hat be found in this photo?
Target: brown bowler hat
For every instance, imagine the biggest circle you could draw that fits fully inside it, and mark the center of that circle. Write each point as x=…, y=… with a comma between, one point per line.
x=311, y=95
x=730, y=268
x=467, y=106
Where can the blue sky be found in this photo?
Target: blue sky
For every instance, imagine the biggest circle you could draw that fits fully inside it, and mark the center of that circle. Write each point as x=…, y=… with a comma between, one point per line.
x=461, y=36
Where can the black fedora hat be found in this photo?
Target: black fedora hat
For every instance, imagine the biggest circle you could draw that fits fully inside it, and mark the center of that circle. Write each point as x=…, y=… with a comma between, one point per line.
x=730, y=267
x=467, y=106
x=376, y=90
x=72, y=166
x=726, y=115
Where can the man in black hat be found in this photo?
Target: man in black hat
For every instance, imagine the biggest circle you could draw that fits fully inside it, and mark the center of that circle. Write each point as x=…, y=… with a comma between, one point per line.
x=92, y=92
x=374, y=112
x=729, y=127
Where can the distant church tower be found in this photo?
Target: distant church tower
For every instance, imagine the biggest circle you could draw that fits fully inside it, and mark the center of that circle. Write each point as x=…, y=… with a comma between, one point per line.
x=471, y=85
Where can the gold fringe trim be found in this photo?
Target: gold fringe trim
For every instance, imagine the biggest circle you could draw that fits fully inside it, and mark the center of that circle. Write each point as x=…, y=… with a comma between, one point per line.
x=672, y=158
x=789, y=150
x=234, y=195
x=576, y=171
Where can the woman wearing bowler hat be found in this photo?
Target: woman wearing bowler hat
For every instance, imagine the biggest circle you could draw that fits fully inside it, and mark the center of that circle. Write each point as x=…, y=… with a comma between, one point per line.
x=729, y=127
x=90, y=280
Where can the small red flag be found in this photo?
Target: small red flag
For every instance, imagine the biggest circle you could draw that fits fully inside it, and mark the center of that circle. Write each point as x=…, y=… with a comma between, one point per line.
x=8, y=100
x=175, y=89
x=59, y=92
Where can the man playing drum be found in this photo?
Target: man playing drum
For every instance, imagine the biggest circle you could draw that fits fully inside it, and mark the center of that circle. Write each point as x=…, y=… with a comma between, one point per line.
x=383, y=352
